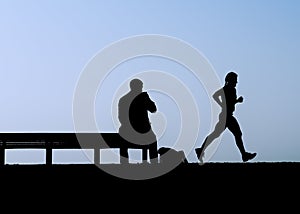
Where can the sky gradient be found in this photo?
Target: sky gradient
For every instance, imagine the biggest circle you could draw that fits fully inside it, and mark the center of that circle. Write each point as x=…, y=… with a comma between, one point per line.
x=45, y=46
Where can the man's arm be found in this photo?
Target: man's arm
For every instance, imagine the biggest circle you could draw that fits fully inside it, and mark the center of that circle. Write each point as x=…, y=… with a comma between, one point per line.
x=219, y=97
x=150, y=105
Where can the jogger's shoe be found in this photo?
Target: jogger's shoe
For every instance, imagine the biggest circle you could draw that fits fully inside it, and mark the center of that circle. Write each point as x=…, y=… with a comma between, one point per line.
x=248, y=156
x=200, y=154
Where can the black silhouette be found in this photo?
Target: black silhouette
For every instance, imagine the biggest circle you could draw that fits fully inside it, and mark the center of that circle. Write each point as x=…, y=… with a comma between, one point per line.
x=226, y=97
x=135, y=125
x=170, y=155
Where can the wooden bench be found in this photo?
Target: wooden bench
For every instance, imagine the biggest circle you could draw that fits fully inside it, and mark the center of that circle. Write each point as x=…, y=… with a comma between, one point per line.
x=50, y=141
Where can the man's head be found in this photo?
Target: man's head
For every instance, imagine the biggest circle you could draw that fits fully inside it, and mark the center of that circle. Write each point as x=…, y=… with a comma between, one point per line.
x=231, y=78
x=136, y=85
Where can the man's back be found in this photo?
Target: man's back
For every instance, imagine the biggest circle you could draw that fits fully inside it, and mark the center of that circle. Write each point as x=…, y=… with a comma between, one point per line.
x=123, y=108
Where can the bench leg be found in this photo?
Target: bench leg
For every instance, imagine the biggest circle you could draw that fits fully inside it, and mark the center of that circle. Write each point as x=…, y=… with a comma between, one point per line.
x=97, y=156
x=124, y=157
x=48, y=156
x=2, y=154
x=48, y=153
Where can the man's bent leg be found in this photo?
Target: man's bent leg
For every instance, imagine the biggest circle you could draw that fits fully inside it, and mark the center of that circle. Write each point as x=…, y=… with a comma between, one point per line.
x=153, y=152
x=145, y=154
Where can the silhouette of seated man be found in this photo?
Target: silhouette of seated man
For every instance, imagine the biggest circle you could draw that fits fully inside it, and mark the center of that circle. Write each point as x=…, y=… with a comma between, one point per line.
x=135, y=124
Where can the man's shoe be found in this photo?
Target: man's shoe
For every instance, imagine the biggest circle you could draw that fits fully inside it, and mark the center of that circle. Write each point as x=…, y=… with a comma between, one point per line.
x=248, y=156
x=200, y=154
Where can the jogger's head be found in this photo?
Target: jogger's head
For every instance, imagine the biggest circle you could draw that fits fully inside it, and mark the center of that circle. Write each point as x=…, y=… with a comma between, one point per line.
x=231, y=78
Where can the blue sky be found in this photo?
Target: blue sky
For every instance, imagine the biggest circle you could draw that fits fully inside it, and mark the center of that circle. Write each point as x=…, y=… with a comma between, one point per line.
x=45, y=45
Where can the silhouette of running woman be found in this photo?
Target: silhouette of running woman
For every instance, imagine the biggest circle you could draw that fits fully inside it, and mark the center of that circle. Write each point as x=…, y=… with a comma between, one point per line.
x=135, y=124
x=226, y=97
